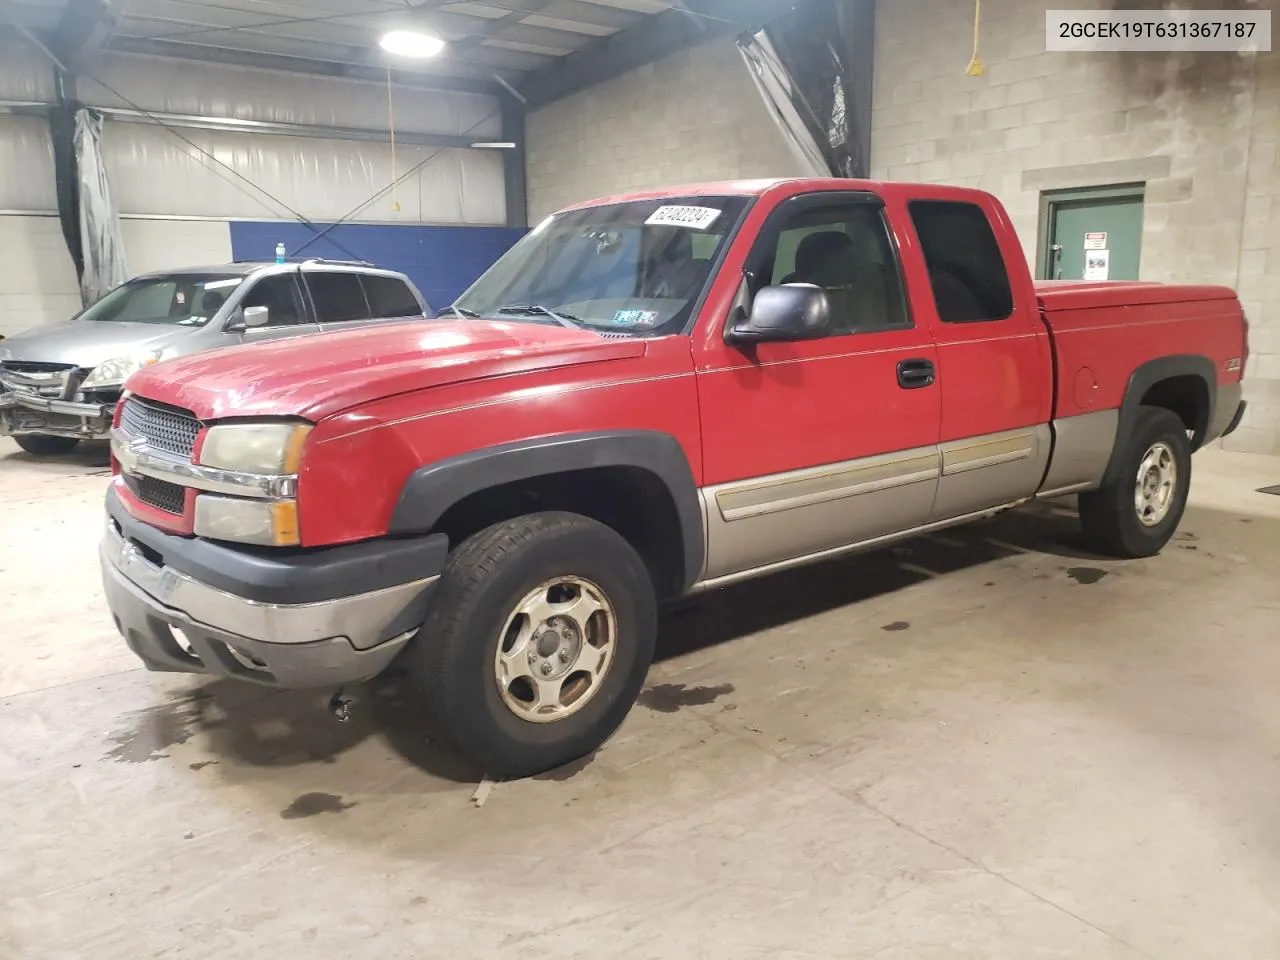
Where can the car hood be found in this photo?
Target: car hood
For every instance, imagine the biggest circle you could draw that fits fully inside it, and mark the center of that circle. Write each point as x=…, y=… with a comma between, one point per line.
x=319, y=376
x=87, y=343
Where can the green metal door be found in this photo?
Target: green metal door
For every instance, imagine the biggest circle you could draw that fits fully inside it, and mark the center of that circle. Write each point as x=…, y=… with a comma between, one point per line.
x=1092, y=236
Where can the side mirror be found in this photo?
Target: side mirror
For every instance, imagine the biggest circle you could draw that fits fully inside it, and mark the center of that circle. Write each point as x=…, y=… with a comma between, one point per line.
x=795, y=311
x=254, y=316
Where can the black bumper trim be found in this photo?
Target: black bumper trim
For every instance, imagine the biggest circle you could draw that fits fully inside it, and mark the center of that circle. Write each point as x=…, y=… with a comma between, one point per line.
x=307, y=575
x=1235, y=421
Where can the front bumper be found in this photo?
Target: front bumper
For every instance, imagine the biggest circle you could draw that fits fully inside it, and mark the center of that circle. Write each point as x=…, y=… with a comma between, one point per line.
x=304, y=618
x=23, y=413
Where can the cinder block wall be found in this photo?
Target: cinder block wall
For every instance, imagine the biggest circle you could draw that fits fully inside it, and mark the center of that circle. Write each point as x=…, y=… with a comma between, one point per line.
x=1202, y=131
x=692, y=116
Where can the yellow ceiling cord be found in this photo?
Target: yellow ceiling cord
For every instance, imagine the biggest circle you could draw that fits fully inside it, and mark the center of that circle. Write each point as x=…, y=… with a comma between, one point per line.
x=391, y=126
x=975, y=68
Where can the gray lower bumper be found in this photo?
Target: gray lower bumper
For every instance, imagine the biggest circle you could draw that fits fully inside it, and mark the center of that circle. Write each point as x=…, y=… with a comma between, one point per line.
x=22, y=413
x=175, y=623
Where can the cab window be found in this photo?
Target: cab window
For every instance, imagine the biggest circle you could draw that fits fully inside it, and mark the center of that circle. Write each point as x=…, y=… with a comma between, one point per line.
x=843, y=247
x=967, y=273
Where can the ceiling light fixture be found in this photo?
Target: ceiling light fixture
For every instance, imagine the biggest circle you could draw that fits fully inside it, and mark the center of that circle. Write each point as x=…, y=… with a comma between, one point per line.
x=411, y=43
x=494, y=145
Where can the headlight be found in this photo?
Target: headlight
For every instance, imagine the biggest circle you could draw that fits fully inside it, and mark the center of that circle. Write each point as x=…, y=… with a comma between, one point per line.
x=273, y=449
x=117, y=371
x=272, y=523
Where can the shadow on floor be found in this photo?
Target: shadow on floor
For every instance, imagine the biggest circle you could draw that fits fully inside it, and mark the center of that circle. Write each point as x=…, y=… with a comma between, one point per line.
x=89, y=456
x=258, y=727
x=714, y=618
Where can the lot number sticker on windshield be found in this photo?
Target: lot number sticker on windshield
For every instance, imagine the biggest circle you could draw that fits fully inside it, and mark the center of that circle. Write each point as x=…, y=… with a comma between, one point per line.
x=695, y=218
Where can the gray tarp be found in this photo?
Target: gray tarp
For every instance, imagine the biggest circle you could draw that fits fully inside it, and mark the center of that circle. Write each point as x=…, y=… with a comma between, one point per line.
x=104, y=263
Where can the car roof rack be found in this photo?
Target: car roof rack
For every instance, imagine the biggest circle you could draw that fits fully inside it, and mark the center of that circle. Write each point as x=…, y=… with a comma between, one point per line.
x=305, y=260
x=339, y=263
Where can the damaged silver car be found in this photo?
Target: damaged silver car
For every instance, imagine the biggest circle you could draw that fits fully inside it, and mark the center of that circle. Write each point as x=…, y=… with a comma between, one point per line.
x=60, y=384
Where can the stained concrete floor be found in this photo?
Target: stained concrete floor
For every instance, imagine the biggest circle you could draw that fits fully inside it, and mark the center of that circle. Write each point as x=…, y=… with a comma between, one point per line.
x=988, y=743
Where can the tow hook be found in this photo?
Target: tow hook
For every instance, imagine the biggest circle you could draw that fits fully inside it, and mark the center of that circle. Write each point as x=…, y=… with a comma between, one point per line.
x=340, y=705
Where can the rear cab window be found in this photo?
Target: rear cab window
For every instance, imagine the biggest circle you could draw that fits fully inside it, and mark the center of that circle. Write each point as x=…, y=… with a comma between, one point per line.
x=389, y=297
x=338, y=297
x=966, y=270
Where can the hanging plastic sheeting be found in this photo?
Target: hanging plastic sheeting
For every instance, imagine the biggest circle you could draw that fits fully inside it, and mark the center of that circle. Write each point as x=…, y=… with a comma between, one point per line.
x=103, y=247
x=774, y=83
x=801, y=75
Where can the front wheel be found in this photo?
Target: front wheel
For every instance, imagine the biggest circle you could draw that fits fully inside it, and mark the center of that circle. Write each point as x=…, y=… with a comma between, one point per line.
x=1136, y=514
x=43, y=445
x=536, y=643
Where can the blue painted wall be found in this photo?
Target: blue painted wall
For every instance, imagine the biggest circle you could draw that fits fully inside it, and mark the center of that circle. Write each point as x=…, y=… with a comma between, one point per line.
x=441, y=261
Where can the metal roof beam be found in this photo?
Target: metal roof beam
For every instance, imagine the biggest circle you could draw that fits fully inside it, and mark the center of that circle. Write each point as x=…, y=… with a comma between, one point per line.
x=690, y=23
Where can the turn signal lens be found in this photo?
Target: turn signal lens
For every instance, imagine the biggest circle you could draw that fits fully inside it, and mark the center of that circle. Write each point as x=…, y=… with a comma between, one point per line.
x=284, y=523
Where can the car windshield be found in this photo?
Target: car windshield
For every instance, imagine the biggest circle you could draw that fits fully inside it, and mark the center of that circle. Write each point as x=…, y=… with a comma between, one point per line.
x=187, y=299
x=635, y=268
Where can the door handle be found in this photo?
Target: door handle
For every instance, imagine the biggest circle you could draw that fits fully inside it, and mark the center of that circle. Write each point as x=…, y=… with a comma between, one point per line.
x=914, y=374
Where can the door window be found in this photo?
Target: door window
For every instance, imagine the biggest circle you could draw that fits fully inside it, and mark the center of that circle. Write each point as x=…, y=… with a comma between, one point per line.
x=844, y=248
x=389, y=297
x=967, y=273
x=338, y=297
x=282, y=298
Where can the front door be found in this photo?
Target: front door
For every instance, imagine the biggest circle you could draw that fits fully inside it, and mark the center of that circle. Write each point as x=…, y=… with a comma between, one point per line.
x=287, y=311
x=813, y=445
x=1094, y=234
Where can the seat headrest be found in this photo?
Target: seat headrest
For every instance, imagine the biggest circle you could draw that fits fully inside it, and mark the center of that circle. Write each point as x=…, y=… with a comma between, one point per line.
x=826, y=259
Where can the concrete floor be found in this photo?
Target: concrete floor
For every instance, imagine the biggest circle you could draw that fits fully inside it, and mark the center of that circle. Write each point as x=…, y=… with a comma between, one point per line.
x=985, y=744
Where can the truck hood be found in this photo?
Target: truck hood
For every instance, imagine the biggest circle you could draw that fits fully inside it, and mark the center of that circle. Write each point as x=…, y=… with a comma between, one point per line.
x=315, y=377
x=87, y=343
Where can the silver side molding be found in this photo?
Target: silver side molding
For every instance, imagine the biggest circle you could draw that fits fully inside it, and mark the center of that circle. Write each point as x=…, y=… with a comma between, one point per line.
x=851, y=548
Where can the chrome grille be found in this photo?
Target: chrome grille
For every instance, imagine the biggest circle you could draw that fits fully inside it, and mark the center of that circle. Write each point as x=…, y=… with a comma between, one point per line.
x=160, y=494
x=37, y=379
x=164, y=428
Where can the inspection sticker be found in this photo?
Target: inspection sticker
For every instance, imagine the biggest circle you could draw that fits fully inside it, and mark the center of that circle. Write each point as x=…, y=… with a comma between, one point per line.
x=695, y=218
x=635, y=318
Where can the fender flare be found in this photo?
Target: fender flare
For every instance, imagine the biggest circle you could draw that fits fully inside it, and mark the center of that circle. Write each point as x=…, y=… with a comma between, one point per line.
x=1143, y=379
x=431, y=490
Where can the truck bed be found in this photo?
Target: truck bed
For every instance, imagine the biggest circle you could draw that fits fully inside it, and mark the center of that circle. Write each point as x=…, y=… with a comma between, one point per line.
x=1102, y=332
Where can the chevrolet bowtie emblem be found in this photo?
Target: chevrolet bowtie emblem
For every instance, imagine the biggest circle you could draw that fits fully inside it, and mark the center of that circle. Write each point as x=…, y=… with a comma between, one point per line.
x=129, y=453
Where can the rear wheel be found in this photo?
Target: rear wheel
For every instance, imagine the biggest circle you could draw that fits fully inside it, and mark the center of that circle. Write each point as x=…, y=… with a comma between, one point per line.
x=42, y=445
x=1137, y=513
x=537, y=642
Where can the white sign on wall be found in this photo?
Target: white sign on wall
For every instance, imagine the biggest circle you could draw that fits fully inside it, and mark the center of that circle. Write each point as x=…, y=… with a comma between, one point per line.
x=1095, y=241
x=1097, y=264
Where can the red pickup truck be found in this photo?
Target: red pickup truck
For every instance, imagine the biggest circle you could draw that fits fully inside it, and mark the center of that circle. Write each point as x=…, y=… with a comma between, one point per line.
x=648, y=396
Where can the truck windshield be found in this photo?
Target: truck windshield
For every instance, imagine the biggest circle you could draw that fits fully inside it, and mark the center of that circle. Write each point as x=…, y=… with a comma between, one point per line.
x=186, y=299
x=635, y=268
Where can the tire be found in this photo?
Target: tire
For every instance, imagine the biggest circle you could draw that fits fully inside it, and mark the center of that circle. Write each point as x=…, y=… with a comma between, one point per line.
x=42, y=445
x=1122, y=517
x=503, y=725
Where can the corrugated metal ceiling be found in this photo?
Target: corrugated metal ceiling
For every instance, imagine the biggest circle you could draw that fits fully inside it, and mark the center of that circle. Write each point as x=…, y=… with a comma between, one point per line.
x=508, y=38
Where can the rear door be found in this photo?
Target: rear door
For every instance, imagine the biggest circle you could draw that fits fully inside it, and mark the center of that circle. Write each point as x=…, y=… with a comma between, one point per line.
x=338, y=298
x=288, y=314
x=390, y=298
x=810, y=446
x=994, y=369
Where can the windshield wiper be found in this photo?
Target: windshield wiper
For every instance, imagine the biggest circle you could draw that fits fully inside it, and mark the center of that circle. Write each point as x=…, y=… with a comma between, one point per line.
x=538, y=310
x=461, y=312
